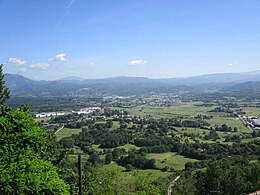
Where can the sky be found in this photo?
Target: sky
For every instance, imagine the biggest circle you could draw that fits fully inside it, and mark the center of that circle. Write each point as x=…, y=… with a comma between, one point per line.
x=52, y=39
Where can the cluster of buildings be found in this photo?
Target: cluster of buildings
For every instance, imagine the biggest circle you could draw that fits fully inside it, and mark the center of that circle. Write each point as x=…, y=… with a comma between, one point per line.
x=253, y=121
x=48, y=114
x=82, y=111
x=86, y=110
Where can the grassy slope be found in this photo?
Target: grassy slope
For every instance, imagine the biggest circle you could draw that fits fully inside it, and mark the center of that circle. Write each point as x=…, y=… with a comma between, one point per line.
x=66, y=132
x=170, y=159
x=130, y=177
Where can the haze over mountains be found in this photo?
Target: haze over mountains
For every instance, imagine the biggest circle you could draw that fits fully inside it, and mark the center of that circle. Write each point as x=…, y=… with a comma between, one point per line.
x=73, y=86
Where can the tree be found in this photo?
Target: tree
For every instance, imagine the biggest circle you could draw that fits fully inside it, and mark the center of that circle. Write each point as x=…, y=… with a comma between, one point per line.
x=228, y=177
x=4, y=91
x=24, y=157
x=24, y=164
x=129, y=167
x=108, y=158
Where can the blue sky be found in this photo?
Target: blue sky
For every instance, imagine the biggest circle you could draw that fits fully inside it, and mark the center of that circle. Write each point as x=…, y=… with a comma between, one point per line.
x=52, y=39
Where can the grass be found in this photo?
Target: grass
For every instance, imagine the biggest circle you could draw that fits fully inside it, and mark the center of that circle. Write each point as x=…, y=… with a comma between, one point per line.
x=189, y=110
x=252, y=111
x=116, y=125
x=129, y=177
x=66, y=132
x=129, y=147
x=77, y=150
x=96, y=147
x=39, y=119
x=248, y=140
x=74, y=157
x=230, y=121
x=170, y=159
x=185, y=109
x=202, y=133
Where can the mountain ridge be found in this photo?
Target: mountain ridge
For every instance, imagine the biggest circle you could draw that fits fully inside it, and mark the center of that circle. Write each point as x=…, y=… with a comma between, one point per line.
x=21, y=85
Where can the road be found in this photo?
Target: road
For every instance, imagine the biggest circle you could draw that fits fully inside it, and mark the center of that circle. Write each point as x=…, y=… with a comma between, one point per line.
x=59, y=129
x=172, y=185
x=248, y=126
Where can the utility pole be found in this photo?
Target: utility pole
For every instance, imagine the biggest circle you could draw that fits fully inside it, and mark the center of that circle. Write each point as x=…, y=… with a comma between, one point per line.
x=80, y=175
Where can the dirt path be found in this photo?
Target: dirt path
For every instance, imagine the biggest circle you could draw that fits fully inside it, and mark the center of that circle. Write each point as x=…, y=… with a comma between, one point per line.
x=59, y=129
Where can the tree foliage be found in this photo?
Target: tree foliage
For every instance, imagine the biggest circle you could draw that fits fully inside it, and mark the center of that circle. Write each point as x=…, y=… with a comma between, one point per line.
x=23, y=150
x=24, y=164
x=227, y=177
x=4, y=91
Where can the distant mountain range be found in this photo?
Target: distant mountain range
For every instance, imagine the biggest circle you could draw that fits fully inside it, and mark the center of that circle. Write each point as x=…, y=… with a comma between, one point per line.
x=75, y=86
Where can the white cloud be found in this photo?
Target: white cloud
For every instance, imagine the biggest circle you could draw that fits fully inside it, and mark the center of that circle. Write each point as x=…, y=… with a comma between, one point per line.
x=230, y=64
x=40, y=65
x=22, y=70
x=137, y=62
x=72, y=66
x=59, y=57
x=16, y=61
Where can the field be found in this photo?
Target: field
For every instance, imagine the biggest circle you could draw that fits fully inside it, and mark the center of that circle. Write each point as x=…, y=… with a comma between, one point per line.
x=252, y=111
x=189, y=110
x=130, y=177
x=230, y=121
x=170, y=159
x=66, y=132
x=129, y=147
x=185, y=109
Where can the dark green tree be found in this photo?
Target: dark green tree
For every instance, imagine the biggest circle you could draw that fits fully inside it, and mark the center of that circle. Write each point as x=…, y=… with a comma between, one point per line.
x=108, y=158
x=227, y=177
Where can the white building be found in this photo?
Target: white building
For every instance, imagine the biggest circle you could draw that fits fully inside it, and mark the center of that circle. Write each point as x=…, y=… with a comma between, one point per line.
x=86, y=110
x=48, y=114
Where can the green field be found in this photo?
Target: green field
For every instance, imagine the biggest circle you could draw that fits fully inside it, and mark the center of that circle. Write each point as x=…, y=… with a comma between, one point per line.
x=129, y=147
x=39, y=119
x=96, y=147
x=115, y=126
x=252, y=111
x=230, y=121
x=66, y=132
x=186, y=109
x=170, y=159
x=130, y=177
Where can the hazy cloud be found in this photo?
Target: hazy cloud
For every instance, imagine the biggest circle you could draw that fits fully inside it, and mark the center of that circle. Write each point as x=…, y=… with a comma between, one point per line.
x=40, y=65
x=59, y=57
x=92, y=64
x=230, y=64
x=72, y=66
x=137, y=62
x=16, y=61
x=22, y=70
